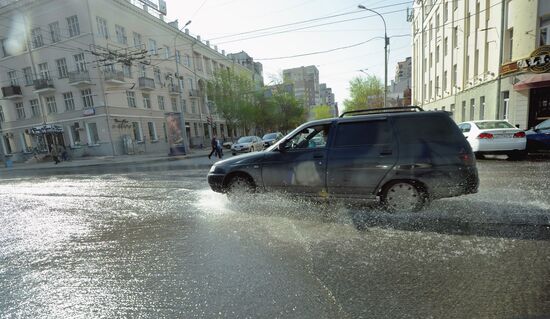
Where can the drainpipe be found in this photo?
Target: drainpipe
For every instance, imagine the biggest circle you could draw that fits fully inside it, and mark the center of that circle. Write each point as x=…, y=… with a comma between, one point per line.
x=500, y=57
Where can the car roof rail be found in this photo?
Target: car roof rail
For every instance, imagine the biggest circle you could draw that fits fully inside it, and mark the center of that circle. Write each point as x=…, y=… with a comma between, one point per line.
x=384, y=110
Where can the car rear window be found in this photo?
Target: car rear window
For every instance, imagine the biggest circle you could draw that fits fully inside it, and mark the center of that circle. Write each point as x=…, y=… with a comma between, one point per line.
x=492, y=125
x=363, y=133
x=432, y=129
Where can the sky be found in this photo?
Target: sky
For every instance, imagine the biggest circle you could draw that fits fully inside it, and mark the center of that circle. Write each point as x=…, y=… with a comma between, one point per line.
x=219, y=21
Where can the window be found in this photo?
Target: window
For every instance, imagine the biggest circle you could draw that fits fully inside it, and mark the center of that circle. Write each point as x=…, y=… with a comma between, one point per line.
x=74, y=28
x=453, y=109
x=477, y=15
x=36, y=35
x=446, y=11
x=152, y=46
x=430, y=89
x=43, y=71
x=166, y=52
x=431, y=59
x=444, y=81
x=20, y=109
x=437, y=85
x=3, y=50
x=312, y=137
x=463, y=115
x=50, y=103
x=446, y=46
x=191, y=84
x=75, y=133
x=196, y=129
x=121, y=34
x=127, y=70
x=142, y=70
x=137, y=39
x=35, y=108
x=165, y=129
x=183, y=105
x=482, y=108
x=510, y=34
x=437, y=54
x=156, y=73
x=476, y=62
x=362, y=133
x=181, y=83
x=455, y=75
x=193, y=106
x=544, y=32
x=174, y=104
x=131, y=98
x=80, y=62
x=136, y=129
x=187, y=60
x=69, y=101
x=2, y=118
x=102, y=30
x=472, y=109
x=93, y=135
x=178, y=57
x=431, y=32
x=505, y=104
x=55, y=34
x=12, y=75
x=62, y=68
x=152, y=131
x=146, y=100
x=27, y=73
x=161, y=102
x=455, y=37
x=87, y=98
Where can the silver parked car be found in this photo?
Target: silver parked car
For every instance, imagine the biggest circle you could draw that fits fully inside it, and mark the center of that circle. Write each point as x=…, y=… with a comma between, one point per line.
x=247, y=144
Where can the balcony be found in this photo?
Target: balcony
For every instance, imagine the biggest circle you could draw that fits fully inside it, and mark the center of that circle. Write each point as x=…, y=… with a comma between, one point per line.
x=79, y=78
x=43, y=86
x=174, y=89
x=146, y=83
x=114, y=77
x=194, y=93
x=12, y=92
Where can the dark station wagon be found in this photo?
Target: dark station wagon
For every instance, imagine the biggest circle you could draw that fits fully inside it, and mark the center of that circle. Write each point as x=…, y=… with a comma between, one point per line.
x=402, y=157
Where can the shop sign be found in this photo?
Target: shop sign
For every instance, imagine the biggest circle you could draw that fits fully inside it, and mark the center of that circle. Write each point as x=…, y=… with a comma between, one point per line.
x=509, y=68
x=89, y=112
x=538, y=62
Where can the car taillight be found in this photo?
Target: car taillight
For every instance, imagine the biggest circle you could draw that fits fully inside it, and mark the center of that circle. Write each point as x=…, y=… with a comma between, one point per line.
x=519, y=134
x=485, y=136
x=466, y=158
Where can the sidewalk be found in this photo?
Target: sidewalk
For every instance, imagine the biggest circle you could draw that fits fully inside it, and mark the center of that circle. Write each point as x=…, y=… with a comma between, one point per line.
x=105, y=160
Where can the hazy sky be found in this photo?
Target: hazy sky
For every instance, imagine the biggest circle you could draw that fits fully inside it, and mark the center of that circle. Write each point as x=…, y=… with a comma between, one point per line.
x=213, y=19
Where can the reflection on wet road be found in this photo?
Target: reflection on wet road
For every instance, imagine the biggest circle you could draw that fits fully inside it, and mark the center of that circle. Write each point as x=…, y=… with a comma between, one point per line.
x=160, y=244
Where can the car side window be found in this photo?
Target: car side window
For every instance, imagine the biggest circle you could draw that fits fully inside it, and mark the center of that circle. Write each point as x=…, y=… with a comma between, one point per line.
x=311, y=137
x=544, y=125
x=466, y=128
x=363, y=133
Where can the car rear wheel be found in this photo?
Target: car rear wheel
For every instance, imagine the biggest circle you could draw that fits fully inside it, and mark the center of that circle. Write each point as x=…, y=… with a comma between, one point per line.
x=403, y=196
x=517, y=155
x=479, y=155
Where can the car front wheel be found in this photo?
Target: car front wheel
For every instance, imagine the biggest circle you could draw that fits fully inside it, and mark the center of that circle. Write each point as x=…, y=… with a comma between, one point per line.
x=403, y=196
x=240, y=185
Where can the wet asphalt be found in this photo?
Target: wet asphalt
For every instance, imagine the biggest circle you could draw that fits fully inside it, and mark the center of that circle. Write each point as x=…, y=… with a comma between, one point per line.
x=152, y=241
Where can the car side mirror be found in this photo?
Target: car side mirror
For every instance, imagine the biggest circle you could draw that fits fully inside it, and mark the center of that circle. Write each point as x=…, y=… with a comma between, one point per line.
x=282, y=147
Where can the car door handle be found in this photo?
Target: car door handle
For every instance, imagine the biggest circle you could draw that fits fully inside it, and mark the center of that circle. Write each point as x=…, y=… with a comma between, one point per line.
x=386, y=152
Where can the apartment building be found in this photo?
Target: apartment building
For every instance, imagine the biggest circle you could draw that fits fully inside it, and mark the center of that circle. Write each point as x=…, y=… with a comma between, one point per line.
x=103, y=77
x=483, y=59
x=327, y=98
x=398, y=92
x=306, y=84
x=247, y=61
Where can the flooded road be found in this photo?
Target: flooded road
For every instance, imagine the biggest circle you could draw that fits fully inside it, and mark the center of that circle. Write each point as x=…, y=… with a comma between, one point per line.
x=157, y=243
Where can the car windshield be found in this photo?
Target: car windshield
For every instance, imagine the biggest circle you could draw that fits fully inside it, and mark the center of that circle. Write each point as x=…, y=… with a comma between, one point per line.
x=246, y=139
x=493, y=125
x=187, y=159
x=270, y=136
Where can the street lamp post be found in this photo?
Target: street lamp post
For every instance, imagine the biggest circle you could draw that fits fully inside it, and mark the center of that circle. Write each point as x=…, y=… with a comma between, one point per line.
x=180, y=88
x=386, y=42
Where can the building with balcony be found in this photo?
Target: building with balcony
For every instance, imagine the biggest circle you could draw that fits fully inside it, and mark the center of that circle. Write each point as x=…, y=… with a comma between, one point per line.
x=247, y=61
x=399, y=89
x=482, y=59
x=103, y=77
x=327, y=98
x=305, y=81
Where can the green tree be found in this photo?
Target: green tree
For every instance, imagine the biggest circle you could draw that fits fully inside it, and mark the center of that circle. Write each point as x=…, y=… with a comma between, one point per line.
x=322, y=112
x=365, y=93
x=290, y=111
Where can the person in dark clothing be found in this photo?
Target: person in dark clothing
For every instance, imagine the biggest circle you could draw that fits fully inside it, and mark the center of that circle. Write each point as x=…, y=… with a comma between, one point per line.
x=55, y=153
x=214, y=144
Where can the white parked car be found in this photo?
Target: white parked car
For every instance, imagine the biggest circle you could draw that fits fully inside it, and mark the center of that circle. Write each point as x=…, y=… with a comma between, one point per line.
x=247, y=144
x=495, y=137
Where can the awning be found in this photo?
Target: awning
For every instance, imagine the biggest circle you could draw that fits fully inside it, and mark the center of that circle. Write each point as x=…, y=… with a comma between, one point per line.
x=533, y=82
x=46, y=129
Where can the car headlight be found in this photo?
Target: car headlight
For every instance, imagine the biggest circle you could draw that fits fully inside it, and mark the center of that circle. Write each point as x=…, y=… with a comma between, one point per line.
x=212, y=169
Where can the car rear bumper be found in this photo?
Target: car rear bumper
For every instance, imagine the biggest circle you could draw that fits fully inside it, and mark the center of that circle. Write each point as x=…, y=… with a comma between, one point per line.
x=216, y=182
x=458, y=182
x=498, y=144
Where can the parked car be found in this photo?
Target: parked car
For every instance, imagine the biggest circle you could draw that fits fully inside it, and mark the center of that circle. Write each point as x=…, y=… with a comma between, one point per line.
x=247, y=144
x=271, y=138
x=495, y=137
x=401, y=158
x=538, y=138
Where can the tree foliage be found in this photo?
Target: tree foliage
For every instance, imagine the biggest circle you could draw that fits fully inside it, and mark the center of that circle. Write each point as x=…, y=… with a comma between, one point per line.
x=365, y=93
x=322, y=112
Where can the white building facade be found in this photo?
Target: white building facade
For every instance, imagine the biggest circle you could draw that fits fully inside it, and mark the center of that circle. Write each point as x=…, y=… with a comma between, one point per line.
x=471, y=57
x=102, y=77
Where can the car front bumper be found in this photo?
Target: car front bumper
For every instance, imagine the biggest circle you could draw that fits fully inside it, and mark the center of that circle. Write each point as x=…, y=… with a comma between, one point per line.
x=216, y=182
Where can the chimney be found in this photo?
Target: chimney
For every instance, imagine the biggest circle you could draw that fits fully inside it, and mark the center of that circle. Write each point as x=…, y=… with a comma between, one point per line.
x=208, y=43
x=186, y=31
x=198, y=38
x=216, y=48
x=223, y=52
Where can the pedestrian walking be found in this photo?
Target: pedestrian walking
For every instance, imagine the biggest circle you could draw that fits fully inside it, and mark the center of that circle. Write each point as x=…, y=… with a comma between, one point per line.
x=219, y=148
x=64, y=153
x=214, y=144
x=55, y=153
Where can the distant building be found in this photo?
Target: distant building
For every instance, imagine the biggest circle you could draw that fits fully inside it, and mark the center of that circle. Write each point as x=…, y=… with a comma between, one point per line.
x=327, y=98
x=306, y=84
x=247, y=61
x=400, y=84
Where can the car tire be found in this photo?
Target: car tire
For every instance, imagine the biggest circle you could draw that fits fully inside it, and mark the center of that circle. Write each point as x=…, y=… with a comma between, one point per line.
x=479, y=155
x=234, y=154
x=239, y=184
x=403, y=196
x=517, y=155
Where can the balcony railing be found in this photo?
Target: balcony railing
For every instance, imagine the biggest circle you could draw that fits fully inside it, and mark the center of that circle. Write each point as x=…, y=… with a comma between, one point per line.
x=43, y=85
x=79, y=77
x=194, y=93
x=115, y=77
x=12, y=91
x=174, y=89
x=146, y=83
